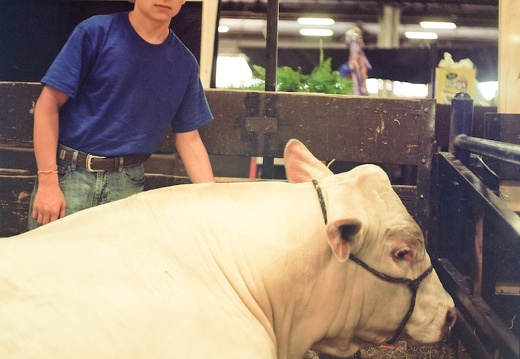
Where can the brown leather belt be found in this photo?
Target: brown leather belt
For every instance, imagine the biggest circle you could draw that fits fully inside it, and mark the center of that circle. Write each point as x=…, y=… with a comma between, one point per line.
x=94, y=163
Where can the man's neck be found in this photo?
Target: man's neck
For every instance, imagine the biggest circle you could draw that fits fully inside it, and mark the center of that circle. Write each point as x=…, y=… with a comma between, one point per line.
x=152, y=32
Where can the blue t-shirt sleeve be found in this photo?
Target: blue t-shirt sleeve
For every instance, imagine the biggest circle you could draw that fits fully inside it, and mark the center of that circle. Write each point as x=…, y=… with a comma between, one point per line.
x=72, y=63
x=194, y=111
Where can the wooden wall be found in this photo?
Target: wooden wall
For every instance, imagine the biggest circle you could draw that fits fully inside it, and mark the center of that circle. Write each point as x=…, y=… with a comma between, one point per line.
x=347, y=129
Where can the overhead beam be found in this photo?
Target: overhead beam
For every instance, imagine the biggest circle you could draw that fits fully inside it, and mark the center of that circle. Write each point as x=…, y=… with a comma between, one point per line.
x=481, y=15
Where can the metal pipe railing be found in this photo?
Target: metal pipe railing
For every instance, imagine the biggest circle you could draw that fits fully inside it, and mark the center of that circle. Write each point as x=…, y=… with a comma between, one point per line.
x=506, y=152
x=483, y=206
x=462, y=144
x=461, y=122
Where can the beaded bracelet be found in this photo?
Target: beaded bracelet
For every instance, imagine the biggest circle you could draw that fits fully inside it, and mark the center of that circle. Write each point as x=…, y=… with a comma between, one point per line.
x=47, y=172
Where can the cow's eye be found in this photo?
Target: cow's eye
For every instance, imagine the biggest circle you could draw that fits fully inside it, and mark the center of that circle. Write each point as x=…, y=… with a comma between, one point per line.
x=403, y=253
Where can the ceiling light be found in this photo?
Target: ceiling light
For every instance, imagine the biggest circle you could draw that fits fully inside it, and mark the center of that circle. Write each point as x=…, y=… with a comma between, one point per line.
x=223, y=28
x=438, y=25
x=422, y=35
x=316, y=32
x=315, y=21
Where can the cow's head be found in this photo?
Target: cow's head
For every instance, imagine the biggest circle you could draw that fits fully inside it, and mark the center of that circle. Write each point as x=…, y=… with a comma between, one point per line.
x=367, y=222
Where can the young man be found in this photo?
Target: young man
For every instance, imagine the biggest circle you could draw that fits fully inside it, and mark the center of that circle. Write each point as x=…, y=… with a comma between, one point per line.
x=108, y=98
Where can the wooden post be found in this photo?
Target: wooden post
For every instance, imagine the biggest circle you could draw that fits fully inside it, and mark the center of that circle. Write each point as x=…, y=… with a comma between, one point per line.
x=478, y=249
x=508, y=55
x=207, y=39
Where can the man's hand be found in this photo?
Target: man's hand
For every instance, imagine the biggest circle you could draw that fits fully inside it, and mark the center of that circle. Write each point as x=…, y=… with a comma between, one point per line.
x=49, y=202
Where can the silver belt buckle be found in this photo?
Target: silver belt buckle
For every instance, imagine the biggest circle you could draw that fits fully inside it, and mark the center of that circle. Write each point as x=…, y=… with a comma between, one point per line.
x=88, y=165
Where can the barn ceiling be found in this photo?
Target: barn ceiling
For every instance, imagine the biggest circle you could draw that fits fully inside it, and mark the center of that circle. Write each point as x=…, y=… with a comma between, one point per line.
x=476, y=20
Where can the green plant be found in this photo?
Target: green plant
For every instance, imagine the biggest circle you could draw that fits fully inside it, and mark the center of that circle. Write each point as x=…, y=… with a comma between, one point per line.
x=322, y=79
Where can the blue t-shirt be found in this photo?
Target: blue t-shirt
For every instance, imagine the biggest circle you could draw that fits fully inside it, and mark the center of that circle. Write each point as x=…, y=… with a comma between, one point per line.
x=125, y=92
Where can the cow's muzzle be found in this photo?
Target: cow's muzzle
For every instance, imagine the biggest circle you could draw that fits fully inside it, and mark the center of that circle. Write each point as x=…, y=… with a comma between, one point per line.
x=413, y=284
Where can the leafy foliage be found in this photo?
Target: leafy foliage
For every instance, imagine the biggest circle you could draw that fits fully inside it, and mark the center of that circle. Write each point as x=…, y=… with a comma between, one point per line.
x=322, y=79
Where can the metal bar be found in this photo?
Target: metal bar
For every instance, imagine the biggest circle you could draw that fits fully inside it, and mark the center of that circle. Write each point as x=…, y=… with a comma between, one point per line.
x=496, y=210
x=478, y=313
x=466, y=335
x=506, y=224
x=271, y=60
x=506, y=152
x=432, y=64
x=271, y=47
x=461, y=122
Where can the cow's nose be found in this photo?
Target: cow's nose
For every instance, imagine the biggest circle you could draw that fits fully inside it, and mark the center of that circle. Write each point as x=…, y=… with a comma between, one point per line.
x=451, y=317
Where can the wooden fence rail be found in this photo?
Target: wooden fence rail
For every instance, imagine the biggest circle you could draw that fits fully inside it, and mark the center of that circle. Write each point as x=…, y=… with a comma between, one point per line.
x=348, y=129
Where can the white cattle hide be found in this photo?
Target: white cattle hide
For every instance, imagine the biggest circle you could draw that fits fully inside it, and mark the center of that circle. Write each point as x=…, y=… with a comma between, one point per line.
x=237, y=270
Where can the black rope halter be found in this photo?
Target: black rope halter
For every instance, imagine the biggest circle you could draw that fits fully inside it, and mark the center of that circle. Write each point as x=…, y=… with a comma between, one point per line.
x=413, y=284
x=321, y=199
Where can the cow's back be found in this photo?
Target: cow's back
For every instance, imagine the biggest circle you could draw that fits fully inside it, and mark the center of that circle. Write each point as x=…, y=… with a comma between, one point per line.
x=143, y=270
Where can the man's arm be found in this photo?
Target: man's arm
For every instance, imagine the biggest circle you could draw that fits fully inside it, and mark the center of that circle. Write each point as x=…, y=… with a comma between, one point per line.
x=194, y=156
x=49, y=203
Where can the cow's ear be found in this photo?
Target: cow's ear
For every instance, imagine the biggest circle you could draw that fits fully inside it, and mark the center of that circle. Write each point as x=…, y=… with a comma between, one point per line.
x=301, y=165
x=342, y=236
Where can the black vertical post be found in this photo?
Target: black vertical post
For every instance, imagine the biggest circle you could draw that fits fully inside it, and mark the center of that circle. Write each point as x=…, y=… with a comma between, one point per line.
x=461, y=123
x=432, y=65
x=271, y=60
x=271, y=48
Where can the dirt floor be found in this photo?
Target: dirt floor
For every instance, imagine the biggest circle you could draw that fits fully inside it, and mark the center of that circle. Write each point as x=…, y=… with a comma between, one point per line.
x=403, y=350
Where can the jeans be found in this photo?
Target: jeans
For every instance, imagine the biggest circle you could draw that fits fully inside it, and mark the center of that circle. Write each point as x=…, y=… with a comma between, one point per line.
x=83, y=189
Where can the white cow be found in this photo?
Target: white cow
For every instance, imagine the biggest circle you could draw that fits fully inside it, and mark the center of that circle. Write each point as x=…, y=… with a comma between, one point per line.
x=236, y=270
